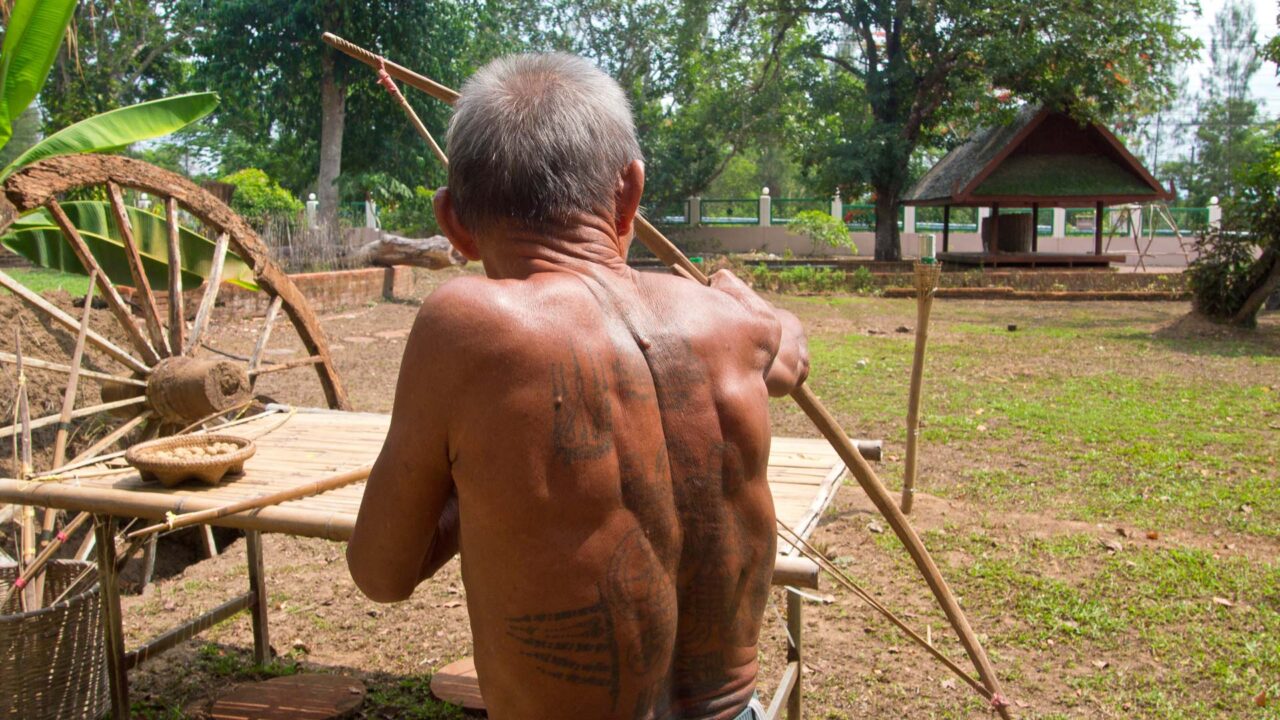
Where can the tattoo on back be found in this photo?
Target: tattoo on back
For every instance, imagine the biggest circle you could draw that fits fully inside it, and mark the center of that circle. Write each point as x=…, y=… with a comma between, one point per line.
x=583, y=425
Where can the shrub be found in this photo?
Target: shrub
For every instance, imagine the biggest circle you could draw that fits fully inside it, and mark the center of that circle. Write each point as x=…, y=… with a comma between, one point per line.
x=1242, y=258
x=414, y=216
x=257, y=197
x=821, y=229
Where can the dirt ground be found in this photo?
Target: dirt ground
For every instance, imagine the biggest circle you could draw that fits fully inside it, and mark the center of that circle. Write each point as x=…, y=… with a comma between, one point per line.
x=856, y=664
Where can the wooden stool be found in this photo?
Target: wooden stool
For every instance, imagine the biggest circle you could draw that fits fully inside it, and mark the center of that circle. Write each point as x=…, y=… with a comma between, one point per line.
x=295, y=697
x=457, y=683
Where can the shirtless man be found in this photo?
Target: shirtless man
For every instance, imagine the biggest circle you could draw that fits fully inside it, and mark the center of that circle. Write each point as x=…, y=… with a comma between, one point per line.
x=593, y=439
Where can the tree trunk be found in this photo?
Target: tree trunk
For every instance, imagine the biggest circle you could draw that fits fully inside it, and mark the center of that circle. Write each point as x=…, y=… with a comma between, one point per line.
x=1267, y=273
x=888, y=242
x=333, y=112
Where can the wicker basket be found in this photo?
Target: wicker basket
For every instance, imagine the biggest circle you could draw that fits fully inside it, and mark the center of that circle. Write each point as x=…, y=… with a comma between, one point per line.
x=53, y=660
x=171, y=471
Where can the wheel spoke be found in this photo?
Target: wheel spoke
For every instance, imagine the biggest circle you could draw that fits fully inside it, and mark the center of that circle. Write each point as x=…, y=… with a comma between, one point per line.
x=114, y=302
x=111, y=438
x=267, y=323
x=177, y=318
x=70, y=323
x=150, y=313
x=47, y=420
x=87, y=374
x=73, y=381
x=203, y=315
x=267, y=369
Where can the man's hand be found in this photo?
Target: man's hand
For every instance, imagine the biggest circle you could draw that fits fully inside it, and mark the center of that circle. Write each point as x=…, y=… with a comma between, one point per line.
x=789, y=348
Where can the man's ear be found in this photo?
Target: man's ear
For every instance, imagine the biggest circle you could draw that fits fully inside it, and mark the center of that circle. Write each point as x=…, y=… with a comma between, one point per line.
x=627, y=197
x=447, y=218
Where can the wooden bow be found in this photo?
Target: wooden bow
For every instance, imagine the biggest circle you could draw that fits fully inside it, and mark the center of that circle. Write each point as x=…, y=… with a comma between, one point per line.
x=663, y=248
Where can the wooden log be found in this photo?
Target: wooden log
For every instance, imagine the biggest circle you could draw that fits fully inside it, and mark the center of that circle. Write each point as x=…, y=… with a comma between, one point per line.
x=183, y=389
x=433, y=253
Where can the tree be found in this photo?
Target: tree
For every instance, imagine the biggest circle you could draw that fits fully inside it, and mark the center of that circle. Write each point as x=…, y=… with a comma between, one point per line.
x=287, y=96
x=120, y=52
x=898, y=75
x=707, y=81
x=1228, y=133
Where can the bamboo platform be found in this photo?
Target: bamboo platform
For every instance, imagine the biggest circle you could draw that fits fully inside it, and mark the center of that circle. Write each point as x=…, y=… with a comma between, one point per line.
x=804, y=475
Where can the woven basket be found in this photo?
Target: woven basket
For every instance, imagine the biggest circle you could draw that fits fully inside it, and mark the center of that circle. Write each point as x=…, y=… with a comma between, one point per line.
x=53, y=660
x=209, y=470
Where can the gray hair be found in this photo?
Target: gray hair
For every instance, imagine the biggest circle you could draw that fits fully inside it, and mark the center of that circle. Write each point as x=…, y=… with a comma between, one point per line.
x=537, y=139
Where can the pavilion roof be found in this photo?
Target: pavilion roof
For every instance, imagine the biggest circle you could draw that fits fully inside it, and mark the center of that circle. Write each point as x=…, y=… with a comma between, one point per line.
x=1044, y=157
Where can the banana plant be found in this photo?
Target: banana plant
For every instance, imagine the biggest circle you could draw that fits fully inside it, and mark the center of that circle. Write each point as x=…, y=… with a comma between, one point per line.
x=31, y=41
x=36, y=237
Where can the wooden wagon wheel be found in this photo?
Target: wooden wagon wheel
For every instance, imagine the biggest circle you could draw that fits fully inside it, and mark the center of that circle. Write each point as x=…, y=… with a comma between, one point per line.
x=167, y=378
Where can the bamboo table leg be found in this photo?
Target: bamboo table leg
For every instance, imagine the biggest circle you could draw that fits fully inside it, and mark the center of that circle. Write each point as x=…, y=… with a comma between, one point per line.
x=794, y=624
x=112, y=625
x=258, y=586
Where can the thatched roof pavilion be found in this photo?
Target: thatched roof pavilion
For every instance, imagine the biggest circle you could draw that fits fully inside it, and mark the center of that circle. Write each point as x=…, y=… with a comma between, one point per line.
x=1044, y=158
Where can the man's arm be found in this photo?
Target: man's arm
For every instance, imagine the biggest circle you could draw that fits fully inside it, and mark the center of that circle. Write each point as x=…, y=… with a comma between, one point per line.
x=791, y=365
x=781, y=335
x=408, y=522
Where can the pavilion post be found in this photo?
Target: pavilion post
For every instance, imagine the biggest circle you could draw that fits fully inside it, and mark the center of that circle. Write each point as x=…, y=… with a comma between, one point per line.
x=1097, y=228
x=1035, y=227
x=995, y=229
x=946, y=228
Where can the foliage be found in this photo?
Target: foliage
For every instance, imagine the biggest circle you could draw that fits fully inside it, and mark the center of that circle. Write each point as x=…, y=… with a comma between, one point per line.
x=897, y=75
x=1228, y=133
x=808, y=279
x=707, y=81
x=821, y=229
x=414, y=216
x=31, y=40
x=1244, y=255
x=124, y=52
x=266, y=60
x=36, y=237
x=117, y=129
x=258, y=197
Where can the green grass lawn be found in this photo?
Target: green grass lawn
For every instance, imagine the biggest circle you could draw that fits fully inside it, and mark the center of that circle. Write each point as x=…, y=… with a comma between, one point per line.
x=1086, y=419
x=42, y=280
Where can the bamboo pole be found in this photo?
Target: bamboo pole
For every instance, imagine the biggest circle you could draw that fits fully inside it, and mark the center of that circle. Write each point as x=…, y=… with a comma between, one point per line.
x=399, y=72
x=150, y=311
x=115, y=303
x=68, y=322
x=205, y=312
x=22, y=452
x=69, y=397
x=82, y=412
x=39, y=364
x=270, y=320
x=37, y=565
x=177, y=320
x=289, y=365
x=663, y=248
x=173, y=522
x=926, y=279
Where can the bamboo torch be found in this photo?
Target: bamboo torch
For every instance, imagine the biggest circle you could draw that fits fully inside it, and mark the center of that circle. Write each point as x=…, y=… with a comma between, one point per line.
x=926, y=278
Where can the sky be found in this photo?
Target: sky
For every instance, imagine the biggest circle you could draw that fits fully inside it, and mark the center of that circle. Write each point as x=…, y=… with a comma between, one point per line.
x=1265, y=86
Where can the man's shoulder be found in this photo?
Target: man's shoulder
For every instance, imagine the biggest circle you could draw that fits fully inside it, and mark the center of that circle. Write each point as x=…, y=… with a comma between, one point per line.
x=475, y=315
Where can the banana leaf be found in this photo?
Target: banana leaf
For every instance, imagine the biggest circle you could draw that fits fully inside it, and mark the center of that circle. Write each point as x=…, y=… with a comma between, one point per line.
x=37, y=238
x=31, y=42
x=116, y=129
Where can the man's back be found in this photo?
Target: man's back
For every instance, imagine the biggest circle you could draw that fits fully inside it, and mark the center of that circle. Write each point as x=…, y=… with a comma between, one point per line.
x=608, y=442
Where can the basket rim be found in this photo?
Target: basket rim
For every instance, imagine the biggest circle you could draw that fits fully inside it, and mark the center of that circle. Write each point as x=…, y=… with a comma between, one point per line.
x=58, y=606
x=137, y=454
